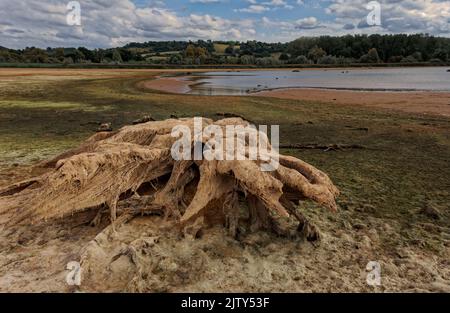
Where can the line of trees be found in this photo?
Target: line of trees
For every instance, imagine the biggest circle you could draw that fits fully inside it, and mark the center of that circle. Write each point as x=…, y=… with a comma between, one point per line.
x=345, y=50
x=362, y=48
x=68, y=55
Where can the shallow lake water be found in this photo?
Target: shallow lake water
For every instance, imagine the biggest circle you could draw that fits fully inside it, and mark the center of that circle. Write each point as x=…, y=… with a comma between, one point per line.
x=380, y=79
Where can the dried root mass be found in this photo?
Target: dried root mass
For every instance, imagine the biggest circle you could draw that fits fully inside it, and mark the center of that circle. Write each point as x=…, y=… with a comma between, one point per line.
x=131, y=171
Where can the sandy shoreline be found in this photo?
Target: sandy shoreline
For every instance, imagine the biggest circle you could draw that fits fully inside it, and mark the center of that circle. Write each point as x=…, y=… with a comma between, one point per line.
x=168, y=84
x=420, y=102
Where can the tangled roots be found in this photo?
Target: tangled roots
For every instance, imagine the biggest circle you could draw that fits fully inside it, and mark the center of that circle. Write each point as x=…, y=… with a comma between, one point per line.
x=132, y=172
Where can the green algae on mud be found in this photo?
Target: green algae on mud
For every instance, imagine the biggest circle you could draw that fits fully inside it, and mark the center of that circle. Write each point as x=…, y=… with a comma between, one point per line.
x=21, y=104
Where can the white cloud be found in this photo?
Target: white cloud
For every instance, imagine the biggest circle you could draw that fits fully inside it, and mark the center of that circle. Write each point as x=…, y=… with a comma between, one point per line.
x=264, y=6
x=307, y=23
x=108, y=23
x=204, y=1
x=276, y=3
x=254, y=8
x=407, y=16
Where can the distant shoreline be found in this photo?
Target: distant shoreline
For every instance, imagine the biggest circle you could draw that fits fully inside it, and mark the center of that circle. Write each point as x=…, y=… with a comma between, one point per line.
x=409, y=101
x=180, y=82
x=217, y=66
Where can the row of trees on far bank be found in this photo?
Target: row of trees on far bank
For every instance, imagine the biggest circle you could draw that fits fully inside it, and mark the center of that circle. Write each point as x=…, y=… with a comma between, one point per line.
x=374, y=48
x=329, y=50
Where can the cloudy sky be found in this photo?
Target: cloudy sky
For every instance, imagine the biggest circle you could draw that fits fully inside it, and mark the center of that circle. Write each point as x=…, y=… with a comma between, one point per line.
x=107, y=23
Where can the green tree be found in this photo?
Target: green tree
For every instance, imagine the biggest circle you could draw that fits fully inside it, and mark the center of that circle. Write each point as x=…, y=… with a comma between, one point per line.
x=316, y=53
x=88, y=54
x=418, y=56
x=199, y=55
x=373, y=56
x=59, y=54
x=247, y=59
x=4, y=56
x=409, y=59
x=440, y=54
x=35, y=55
x=229, y=50
x=116, y=57
x=328, y=59
x=190, y=51
x=175, y=59
x=301, y=59
x=284, y=57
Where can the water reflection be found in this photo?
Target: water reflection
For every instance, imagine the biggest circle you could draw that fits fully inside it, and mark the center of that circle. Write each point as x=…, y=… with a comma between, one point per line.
x=383, y=79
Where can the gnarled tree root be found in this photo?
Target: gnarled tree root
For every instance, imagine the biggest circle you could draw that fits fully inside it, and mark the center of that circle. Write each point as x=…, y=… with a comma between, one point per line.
x=131, y=172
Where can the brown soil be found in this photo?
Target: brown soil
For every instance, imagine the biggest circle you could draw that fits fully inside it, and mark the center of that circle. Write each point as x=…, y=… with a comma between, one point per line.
x=392, y=209
x=149, y=254
x=412, y=102
x=143, y=256
x=168, y=84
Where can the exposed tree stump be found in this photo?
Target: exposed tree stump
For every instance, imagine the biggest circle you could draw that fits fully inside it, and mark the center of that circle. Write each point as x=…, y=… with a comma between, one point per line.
x=132, y=171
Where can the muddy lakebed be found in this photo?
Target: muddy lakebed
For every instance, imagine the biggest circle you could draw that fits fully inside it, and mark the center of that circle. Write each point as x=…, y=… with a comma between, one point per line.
x=391, y=208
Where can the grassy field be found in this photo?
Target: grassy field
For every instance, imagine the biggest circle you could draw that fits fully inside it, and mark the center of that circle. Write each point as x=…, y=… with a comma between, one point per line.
x=403, y=168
